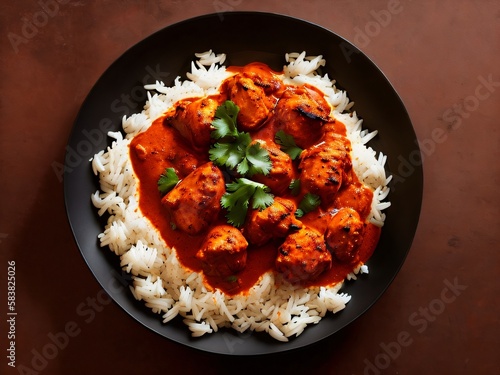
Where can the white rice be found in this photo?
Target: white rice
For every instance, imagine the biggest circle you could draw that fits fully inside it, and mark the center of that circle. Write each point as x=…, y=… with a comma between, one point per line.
x=158, y=278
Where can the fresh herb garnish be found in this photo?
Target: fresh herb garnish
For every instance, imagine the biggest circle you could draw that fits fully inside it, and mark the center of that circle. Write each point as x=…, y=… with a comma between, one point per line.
x=309, y=203
x=234, y=149
x=287, y=144
x=294, y=186
x=225, y=120
x=256, y=161
x=237, y=199
x=167, y=180
x=232, y=279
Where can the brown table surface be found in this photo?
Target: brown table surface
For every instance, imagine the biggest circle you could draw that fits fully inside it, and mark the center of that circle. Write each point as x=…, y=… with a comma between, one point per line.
x=443, y=59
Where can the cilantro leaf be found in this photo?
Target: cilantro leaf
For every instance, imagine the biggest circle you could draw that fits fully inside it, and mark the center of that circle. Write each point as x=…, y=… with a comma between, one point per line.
x=287, y=144
x=225, y=120
x=309, y=203
x=235, y=149
x=167, y=180
x=226, y=154
x=258, y=159
x=238, y=193
x=243, y=167
x=295, y=186
x=237, y=199
x=232, y=279
x=261, y=198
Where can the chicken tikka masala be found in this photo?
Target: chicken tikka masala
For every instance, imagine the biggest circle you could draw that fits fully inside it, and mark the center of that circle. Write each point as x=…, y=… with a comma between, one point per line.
x=256, y=178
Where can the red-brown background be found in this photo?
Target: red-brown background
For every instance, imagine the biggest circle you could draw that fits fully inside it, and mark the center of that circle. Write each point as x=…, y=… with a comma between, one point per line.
x=438, y=55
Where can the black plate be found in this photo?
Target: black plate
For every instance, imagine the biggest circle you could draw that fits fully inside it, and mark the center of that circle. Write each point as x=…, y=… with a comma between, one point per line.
x=245, y=37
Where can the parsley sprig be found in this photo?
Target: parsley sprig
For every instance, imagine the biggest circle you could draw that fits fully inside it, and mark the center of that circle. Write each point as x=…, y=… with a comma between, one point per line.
x=234, y=149
x=238, y=196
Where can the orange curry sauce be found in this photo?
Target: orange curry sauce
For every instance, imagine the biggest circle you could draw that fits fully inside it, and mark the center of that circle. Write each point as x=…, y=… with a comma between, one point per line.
x=162, y=146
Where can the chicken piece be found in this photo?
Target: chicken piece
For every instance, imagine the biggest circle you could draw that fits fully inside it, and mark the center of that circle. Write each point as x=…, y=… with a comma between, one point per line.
x=333, y=129
x=184, y=163
x=224, y=251
x=301, y=112
x=344, y=234
x=251, y=99
x=263, y=77
x=303, y=256
x=355, y=196
x=195, y=202
x=323, y=168
x=193, y=120
x=275, y=221
x=281, y=174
